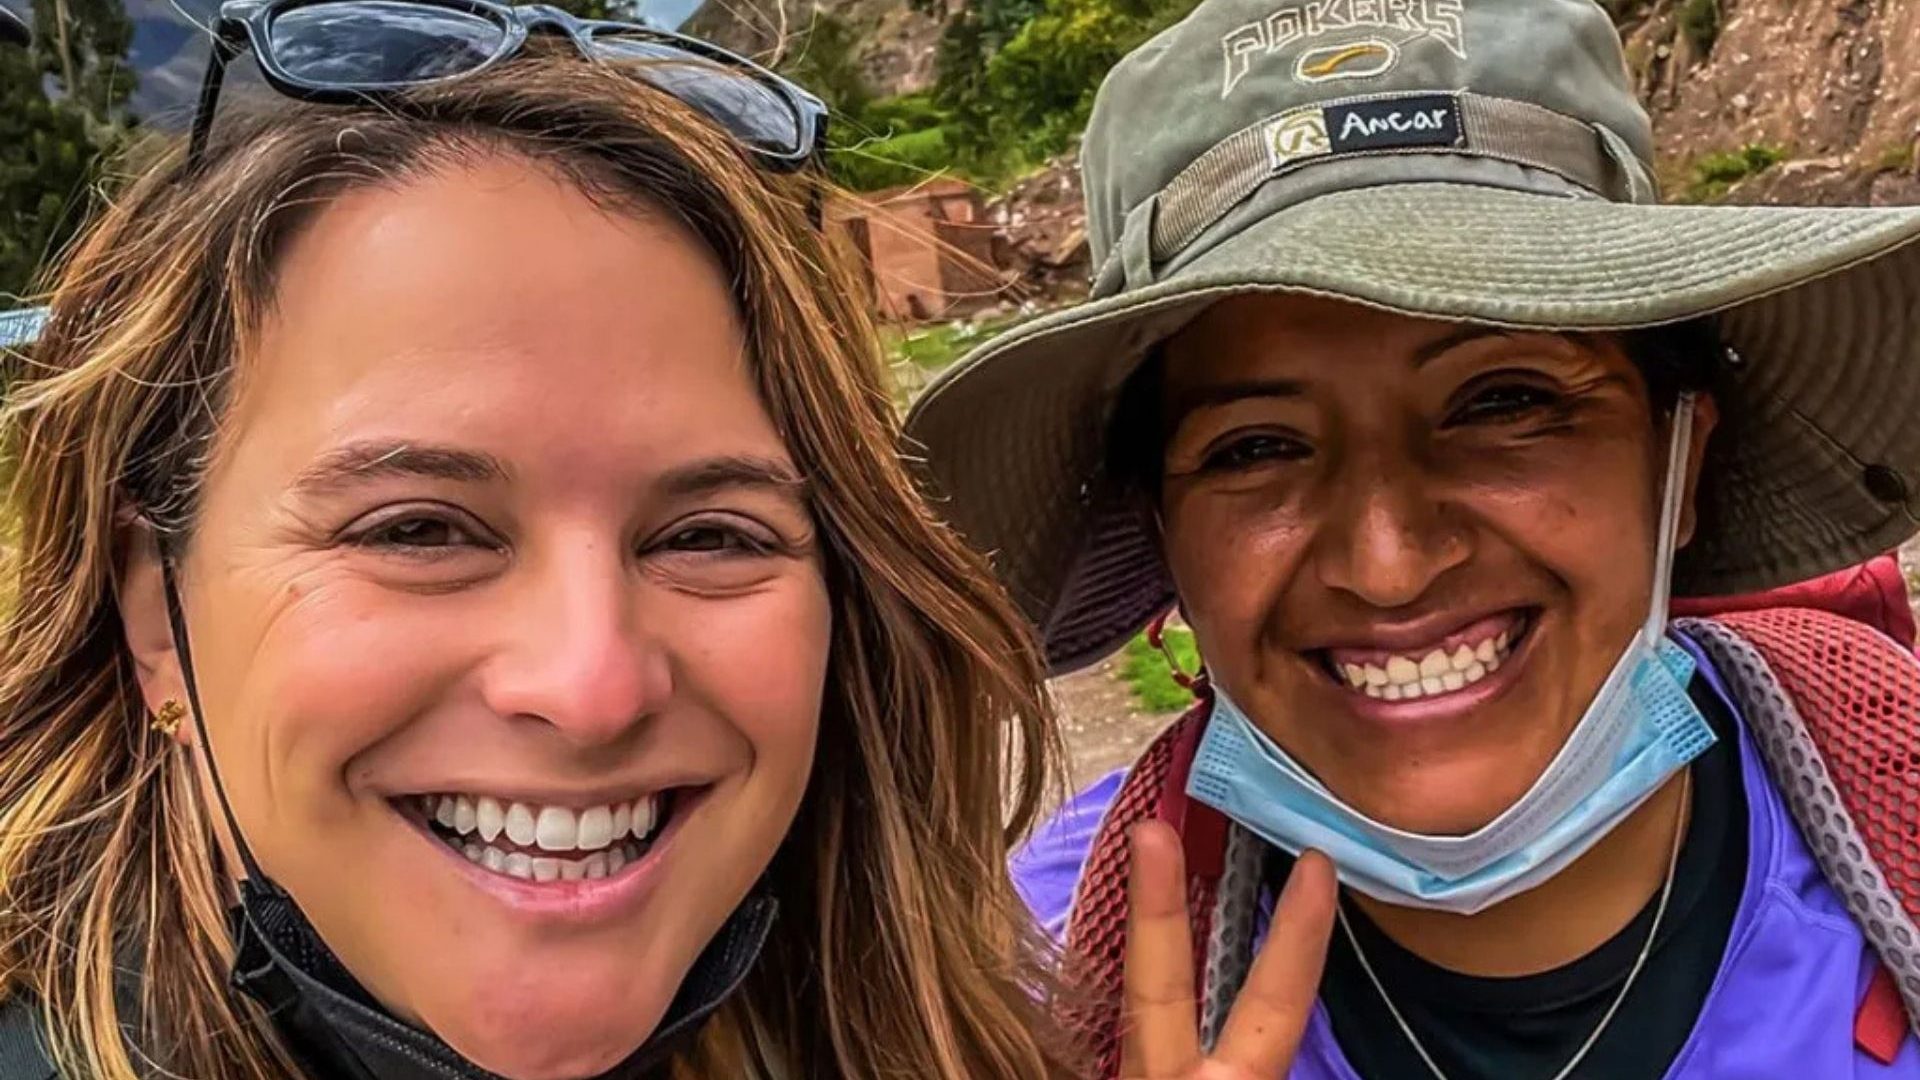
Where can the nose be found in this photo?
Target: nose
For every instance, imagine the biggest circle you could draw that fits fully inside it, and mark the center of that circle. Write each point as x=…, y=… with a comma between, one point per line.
x=1389, y=532
x=575, y=652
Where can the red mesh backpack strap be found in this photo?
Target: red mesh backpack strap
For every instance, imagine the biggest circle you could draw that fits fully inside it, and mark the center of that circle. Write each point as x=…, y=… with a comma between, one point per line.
x=1835, y=708
x=1097, y=928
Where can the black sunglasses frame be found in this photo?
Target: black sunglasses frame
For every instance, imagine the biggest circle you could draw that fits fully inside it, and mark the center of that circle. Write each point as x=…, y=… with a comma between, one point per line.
x=14, y=29
x=247, y=25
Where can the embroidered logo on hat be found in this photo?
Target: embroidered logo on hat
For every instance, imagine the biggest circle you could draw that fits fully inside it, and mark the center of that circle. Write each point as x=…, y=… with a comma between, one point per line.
x=1363, y=60
x=1310, y=21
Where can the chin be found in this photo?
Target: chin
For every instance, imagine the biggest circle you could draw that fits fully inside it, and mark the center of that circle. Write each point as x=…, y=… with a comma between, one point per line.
x=553, y=1033
x=1445, y=800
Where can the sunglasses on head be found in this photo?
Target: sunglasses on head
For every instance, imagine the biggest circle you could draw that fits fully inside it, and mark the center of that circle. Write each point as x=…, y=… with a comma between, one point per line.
x=345, y=51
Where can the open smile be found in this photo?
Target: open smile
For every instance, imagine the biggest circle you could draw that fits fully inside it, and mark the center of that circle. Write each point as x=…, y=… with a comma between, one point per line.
x=1450, y=664
x=544, y=843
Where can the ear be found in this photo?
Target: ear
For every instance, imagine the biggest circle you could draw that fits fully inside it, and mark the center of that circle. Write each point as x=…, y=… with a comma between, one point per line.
x=1706, y=416
x=140, y=591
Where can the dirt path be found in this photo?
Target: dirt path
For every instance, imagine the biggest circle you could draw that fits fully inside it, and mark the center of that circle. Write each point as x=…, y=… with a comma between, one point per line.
x=1104, y=727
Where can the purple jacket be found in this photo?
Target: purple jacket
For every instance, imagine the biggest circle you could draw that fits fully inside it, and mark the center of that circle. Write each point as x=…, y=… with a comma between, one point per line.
x=1783, y=1005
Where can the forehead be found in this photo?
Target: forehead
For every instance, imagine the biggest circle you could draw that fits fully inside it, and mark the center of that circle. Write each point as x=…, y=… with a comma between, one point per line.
x=496, y=303
x=1306, y=337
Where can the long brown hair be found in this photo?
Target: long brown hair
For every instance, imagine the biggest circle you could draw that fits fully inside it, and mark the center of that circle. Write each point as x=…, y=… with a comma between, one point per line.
x=902, y=950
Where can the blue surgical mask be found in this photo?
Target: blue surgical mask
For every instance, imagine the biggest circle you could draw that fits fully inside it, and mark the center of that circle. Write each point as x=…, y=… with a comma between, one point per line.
x=1640, y=730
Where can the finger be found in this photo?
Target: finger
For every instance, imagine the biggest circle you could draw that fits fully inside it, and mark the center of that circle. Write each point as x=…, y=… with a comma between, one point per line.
x=1161, y=1024
x=1263, y=1031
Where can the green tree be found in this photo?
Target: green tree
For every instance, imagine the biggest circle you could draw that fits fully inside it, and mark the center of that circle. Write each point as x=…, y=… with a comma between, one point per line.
x=62, y=116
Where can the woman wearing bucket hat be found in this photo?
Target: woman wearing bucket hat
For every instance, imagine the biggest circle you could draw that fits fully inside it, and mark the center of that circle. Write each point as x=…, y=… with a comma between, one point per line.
x=1400, y=384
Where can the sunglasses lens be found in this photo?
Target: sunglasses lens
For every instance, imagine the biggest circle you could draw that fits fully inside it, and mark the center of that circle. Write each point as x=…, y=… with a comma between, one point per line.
x=749, y=109
x=368, y=44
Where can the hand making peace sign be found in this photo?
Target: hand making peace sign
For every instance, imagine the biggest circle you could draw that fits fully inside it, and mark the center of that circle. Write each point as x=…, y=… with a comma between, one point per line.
x=1263, y=1031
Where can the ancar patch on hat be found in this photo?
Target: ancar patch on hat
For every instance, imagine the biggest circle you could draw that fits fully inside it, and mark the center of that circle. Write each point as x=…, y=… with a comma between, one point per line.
x=1402, y=122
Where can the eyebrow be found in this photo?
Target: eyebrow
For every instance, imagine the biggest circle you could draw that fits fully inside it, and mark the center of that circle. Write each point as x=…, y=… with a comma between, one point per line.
x=361, y=461
x=1448, y=342
x=733, y=471
x=1223, y=393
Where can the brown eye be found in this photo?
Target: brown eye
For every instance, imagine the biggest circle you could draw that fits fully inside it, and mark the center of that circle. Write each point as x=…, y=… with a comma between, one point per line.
x=1248, y=451
x=1506, y=401
x=419, y=532
x=715, y=538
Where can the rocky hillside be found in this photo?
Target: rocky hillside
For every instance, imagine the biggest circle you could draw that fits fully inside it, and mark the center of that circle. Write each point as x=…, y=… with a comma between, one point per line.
x=1830, y=88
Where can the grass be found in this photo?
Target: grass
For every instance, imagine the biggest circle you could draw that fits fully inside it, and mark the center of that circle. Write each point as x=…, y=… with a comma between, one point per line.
x=1147, y=675
x=918, y=353
x=1715, y=174
x=935, y=348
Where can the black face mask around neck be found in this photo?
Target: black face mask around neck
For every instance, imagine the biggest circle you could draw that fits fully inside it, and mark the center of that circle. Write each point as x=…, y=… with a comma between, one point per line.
x=335, y=1028
x=337, y=1031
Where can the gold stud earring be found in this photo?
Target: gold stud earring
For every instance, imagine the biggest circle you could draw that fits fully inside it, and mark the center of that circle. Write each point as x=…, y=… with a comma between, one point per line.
x=167, y=720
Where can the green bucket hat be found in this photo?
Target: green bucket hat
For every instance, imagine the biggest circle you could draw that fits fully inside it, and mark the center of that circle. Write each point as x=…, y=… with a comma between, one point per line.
x=1476, y=160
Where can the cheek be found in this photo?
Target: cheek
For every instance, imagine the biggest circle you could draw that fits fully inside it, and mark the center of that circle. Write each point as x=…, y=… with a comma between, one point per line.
x=1232, y=558
x=762, y=662
x=298, y=679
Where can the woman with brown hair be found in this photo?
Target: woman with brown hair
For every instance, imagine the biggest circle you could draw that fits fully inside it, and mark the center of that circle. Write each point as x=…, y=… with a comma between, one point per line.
x=466, y=597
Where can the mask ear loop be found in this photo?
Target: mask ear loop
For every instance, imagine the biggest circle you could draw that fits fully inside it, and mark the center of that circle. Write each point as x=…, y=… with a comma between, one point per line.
x=177, y=620
x=1196, y=683
x=1671, y=498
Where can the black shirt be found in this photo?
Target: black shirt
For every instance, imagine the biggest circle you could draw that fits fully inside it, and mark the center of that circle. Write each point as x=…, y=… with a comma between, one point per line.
x=1528, y=1028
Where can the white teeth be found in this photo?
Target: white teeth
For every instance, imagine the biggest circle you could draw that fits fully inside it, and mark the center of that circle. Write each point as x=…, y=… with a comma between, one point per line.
x=596, y=864
x=520, y=865
x=494, y=859
x=596, y=829
x=556, y=829
x=520, y=824
x=572, y=869
x=548, y=828
x=615, y=860
x=546, y=869
x=490, y=818
x=1405, y=678
x=473, y=852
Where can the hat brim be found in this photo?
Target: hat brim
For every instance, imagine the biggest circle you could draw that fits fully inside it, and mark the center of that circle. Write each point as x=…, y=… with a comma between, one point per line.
x=1816, y=464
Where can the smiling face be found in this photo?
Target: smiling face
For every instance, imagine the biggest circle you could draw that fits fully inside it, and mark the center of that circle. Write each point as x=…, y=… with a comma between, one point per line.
x=1410, y=550
x=500, y=534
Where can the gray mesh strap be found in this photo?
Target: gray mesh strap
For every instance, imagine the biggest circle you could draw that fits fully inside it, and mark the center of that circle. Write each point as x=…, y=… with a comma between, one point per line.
x=1285, y=144
x=1802, y=776
x=1230, y=942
